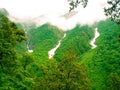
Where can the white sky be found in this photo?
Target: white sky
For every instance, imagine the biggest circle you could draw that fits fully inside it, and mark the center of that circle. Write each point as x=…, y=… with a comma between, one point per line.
x=53, y=9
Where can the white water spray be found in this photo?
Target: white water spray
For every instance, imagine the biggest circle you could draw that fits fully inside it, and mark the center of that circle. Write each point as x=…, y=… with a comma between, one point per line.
x=52, y=51
x=92, y=42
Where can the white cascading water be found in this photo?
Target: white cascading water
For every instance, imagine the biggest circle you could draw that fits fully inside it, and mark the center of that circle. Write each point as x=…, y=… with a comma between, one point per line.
x=52, y=51
x=92, y=42
x=28, y=48
x=28, y=42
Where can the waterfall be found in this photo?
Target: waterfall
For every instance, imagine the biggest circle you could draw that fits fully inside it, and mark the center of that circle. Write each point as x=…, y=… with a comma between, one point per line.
x=27, y=42
x=28, y=48
x=52, y=51
x=92, y=42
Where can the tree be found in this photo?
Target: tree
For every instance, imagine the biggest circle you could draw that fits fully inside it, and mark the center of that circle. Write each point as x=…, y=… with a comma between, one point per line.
x=65, y=75
x=26, y=60
x=72, y=73
x=113, y=82
x=74, y=3
x=10, y=36
x=113, y=11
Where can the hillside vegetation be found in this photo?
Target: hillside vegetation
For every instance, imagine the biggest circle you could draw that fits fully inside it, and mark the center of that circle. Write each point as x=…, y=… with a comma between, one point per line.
x=77, y=40
x=75, y=65
x=103, y=62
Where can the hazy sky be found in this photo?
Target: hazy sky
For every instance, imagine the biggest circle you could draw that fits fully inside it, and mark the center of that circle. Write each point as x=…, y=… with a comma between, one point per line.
x=53, y=9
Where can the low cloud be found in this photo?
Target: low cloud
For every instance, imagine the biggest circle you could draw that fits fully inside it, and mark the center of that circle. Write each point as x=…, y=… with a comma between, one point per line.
x=53, y=10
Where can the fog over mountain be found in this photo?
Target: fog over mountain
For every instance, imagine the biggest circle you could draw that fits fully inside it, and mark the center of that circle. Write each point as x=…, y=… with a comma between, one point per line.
x=43, y=46
x=55, y=12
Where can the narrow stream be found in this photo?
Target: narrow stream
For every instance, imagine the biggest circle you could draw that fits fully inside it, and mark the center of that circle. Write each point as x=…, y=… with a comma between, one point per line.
x=92, y=42
x=28, y=41
x=52, y=51
x=28, y=48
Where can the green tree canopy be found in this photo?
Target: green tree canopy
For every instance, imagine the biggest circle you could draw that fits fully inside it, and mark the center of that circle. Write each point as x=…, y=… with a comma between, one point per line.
x=10, y=36
x=65, y=75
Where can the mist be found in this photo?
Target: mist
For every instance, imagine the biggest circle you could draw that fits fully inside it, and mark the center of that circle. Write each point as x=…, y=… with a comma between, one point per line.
x=53, y=11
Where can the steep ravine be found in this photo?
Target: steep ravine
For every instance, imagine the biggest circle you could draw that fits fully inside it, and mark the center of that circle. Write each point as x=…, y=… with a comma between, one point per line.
x=28, y=48
x=26, y=28
x=92, y=42
x=52, y=51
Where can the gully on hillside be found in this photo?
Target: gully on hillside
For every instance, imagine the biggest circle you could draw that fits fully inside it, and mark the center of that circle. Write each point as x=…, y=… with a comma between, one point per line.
x=28, y=48
x=26, y=28
x=52, y=51
x=92, y=42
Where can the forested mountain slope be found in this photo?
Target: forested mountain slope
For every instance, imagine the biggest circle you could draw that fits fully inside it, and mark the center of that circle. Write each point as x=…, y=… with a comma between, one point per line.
x=41, y=39
x=77, y=40
x=10, y=67
x=103, y=63
x=75, y=66
x=44, y=38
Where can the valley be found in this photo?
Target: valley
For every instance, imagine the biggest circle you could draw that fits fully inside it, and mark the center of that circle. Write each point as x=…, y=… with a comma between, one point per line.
x=90, y=46
x=46, y=57
x=52, y=51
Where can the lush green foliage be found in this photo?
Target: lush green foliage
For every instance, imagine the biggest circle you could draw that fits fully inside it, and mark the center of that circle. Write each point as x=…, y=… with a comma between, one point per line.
x=9, y=37
x=21, y=48
x=65, y=75
x=76, y=40
x=104, y=60
x=75, y=66
x=43, y=39
x=11, y=74
x=45, y=33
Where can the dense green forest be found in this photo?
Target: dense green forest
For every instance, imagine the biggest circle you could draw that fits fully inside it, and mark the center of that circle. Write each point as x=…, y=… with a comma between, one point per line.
x=77, y=40
x=75, y=65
